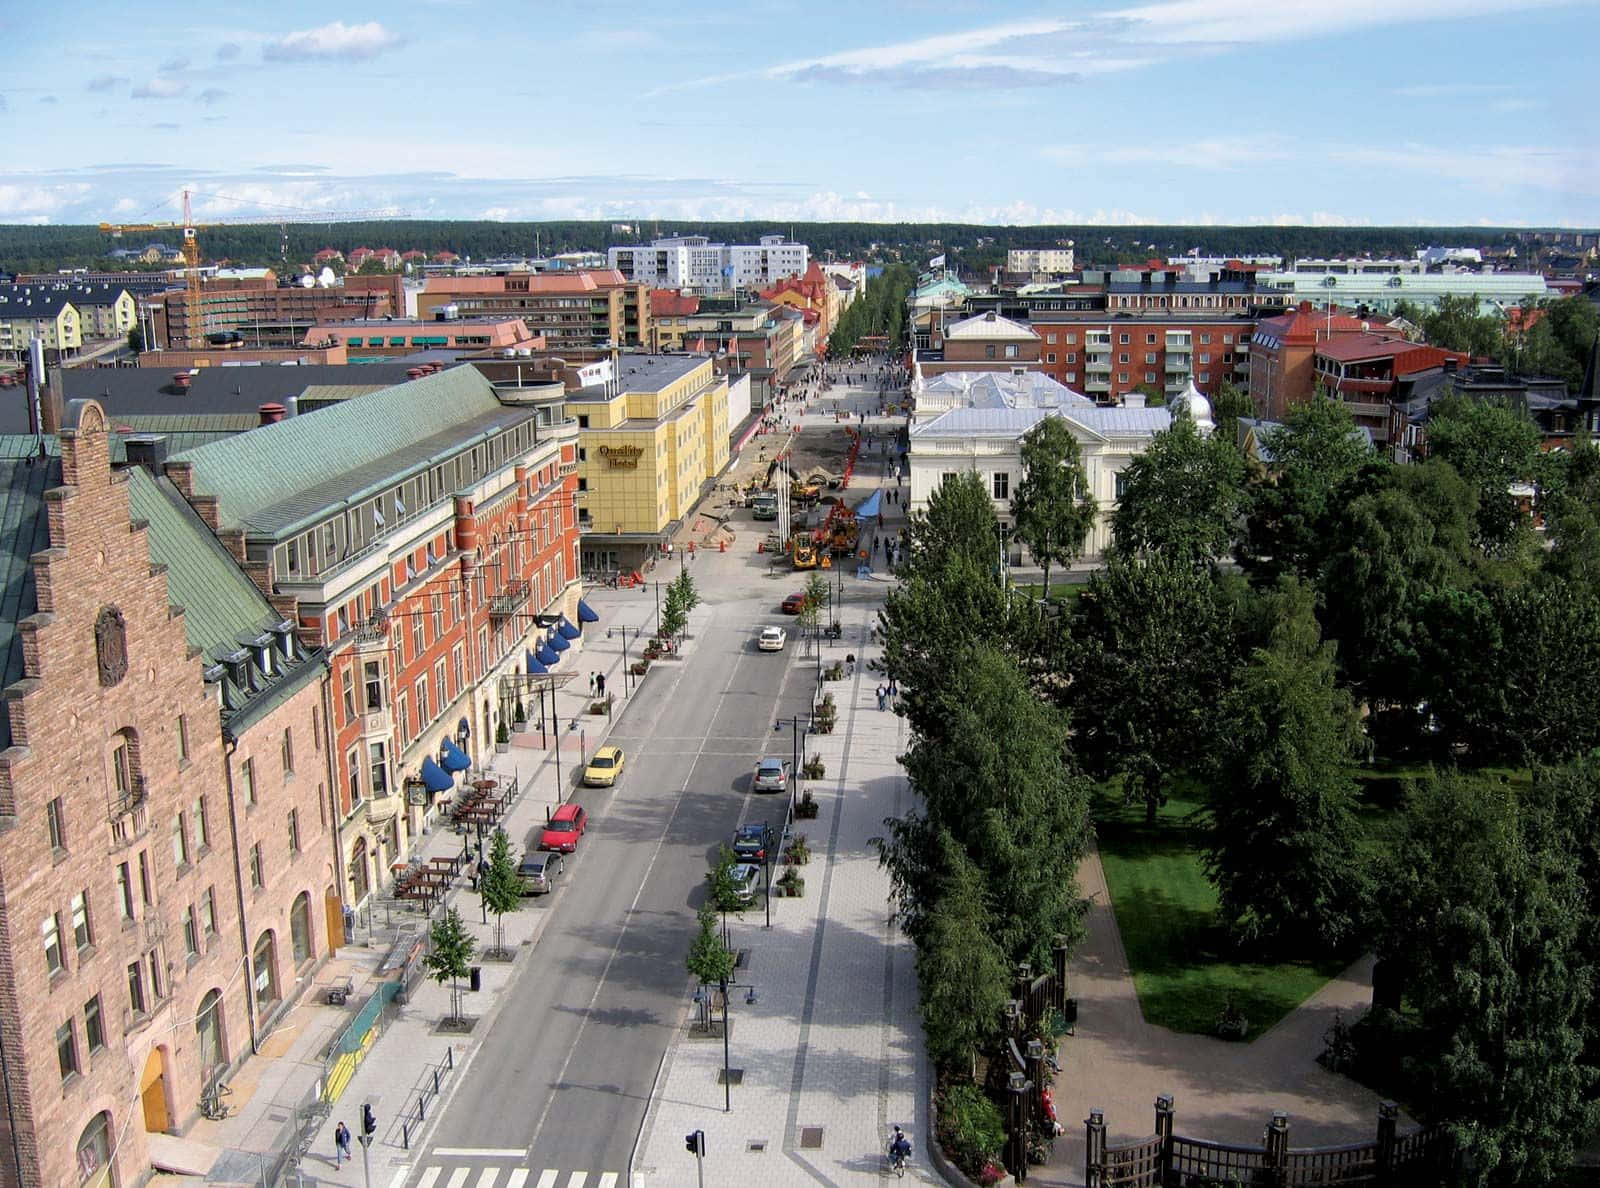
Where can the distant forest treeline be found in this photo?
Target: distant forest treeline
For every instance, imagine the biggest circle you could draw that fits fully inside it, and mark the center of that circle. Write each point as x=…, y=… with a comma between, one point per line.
x=973, y=248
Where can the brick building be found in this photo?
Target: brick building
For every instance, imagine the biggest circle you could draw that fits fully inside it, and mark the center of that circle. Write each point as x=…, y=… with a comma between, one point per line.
x=983, y=342
x=264, y=313
x=1283, y=351
x=169, y=837
x=423, y=535
x=571, y=309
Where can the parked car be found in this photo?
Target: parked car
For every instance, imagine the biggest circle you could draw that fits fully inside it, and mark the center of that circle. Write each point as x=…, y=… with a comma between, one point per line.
x=538, y=871
x=604, y=768
x=752, y=840
x=564, y=829
x=745, y=877
x=795, y=603
x=772, y=775
x=772, y=639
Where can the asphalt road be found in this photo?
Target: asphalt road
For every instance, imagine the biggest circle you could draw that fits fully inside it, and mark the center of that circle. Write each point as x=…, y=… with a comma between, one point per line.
x=567, y=1070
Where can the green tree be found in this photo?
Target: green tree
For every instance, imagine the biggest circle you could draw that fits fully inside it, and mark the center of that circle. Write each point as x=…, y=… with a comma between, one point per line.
x=1052, y=505
x=1560, y=340
x=961, y=972
x=1284, y=847
x=1155, y=396
x=816, y=593
x=708, y=960
x=1491, y=447
x=996, y=781
x=450, y=949
x=959, y=521
x=1151, y=652
x=1229, y=404
x=674, y=615
x=1316, y=454
x=1183, y=498
x=722, y=890
x=136, y=340
x=688, y=595
x=500, y=886
x=1456, y=324
x=1484, y=918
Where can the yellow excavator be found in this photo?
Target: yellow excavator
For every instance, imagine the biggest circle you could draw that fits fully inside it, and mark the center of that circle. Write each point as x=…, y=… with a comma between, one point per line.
x=803, y=551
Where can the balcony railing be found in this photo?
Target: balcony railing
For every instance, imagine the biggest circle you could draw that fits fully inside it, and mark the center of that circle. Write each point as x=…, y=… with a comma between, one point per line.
x=506, y=603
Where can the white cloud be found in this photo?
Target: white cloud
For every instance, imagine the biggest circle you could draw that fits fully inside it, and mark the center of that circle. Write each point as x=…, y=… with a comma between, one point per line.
x=160, y=88
x=212, y=95
x=228, y=51
x=1230, y=22
x=175, y=65
x=106, y=82
x=335, y=40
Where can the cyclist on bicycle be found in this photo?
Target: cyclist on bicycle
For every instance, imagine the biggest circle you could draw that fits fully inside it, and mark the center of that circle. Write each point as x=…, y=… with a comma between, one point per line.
x=899, y=1148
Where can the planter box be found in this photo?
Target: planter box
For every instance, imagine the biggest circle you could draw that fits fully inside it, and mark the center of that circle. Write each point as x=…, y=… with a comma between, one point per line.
x=500, y=748
x=519, y=728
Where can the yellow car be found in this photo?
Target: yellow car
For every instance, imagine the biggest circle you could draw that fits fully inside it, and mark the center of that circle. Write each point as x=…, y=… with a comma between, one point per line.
x=604, y=768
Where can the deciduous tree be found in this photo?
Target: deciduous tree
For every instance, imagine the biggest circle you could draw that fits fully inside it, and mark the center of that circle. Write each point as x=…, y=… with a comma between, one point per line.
x=450, y=949
x=500, y=886
x=1183, y=498
x=1052, y=505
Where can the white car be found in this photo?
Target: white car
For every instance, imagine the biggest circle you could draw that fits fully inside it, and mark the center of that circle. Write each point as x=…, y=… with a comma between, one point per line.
x=772, y=639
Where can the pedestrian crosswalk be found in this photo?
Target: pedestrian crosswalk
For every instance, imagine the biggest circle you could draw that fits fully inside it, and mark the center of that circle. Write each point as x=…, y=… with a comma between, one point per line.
x=480, y=1176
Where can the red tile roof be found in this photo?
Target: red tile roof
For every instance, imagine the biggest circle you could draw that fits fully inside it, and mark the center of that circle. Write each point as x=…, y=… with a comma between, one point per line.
x=669, y=303
x=1409, y=357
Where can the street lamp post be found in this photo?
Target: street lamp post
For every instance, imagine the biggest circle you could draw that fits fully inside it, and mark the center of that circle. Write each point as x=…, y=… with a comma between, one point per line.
x=627, y=673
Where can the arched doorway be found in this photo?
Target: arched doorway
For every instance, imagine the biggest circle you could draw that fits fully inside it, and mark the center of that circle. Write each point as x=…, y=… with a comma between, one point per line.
x=266, y=970
x=300, y=929
x=208, y=1035
x=360, y=883
x=94, y=1153
x=153, y=1092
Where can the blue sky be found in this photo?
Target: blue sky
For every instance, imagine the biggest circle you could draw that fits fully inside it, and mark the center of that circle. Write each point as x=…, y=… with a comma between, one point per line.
x=1107, y=111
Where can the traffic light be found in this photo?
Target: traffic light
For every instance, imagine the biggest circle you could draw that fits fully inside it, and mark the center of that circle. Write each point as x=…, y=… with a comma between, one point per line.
x=369, y=1121
x=695, y=1143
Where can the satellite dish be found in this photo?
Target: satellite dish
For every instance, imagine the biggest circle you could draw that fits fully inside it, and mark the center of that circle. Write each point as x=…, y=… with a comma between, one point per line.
x=325, y=278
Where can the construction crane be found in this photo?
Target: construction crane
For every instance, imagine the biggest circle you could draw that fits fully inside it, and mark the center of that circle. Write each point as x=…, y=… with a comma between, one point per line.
x=193, y=316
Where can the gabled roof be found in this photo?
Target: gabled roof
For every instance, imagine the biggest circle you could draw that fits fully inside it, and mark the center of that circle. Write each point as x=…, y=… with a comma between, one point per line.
x=1303, y=324
x=1096, y=422
x=667, y=303
x=1000, y=389
x=272, y=478
x=24, y=530
x=989, y=325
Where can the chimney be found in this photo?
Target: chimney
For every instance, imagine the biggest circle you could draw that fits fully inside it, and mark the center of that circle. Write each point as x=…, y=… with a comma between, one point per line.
x=271, y=413
x=291, y=406
x=35, y=379
x=148, y=450
x=50, y=403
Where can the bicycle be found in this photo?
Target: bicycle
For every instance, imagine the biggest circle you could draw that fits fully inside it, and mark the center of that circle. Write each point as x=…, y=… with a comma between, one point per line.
x=212, y=1107
x=897, y=1164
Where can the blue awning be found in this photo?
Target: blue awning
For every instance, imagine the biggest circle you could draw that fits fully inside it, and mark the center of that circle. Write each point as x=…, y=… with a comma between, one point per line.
x=436, y=778
x=452, y=757
x=567, y=629
x=534, y=667
x=559, y=641
x=586, y=613
x=870, y=506
x=547, y=657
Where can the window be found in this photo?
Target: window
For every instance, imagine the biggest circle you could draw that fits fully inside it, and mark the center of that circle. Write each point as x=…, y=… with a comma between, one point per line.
x=1121, y=486
x=1011, y=350
x=424, y=713
x=1122, y=340
x=180, y=843
x=183, y=738
x=438, y=617
x=202, y=824
x=1002, y=484
x=1072, y=358
x=988, y=351
x=125, y=891
x=438, y=684
x=257, y=880
x=1205, y=377
x=1226, y=338
x=416, y=635
x=353, y=770
x=67, y=1050
x=94, y=1028
x=1122, y=377
x=1150, y=359
x=154, y=962
x=402, y=717
x=208, y=911
x=82, y=932
x=1204, y=339
x=1122, y=357
x=288, y=751
x=191, y=933
x=1050, y=358
x=349, y=695
x=55, y=819
x=121, y=767
x=316, y=730
x=1150, y=339
x=247, y=781
x=380, y=770
x=1149, y=377
x=294, y=831
x=457, y=673
x=146, y=890
x=1050, y=339
x=136, y=987
x=51, y=932
x=373, y=679
x=1204, y=358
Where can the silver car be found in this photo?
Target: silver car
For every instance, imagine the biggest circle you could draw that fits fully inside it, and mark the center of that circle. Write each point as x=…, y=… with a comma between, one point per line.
x=745, y=877
x=538, y=871
x=772, y=775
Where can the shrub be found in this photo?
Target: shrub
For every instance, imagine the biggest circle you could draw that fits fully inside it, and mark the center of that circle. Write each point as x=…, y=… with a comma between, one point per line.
x=814, y=768
x=799, y=852
x=972, y=1130
x=805, y=809
x=501, y=734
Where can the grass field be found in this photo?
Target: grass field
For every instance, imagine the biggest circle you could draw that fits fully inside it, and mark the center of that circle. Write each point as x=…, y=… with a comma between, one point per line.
x=1059, y=591
x=1166, y=911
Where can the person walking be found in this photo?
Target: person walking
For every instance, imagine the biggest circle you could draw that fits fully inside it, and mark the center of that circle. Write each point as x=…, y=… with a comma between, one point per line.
x=600, y=683
x=341, y=1144
x=883, y=695
x=592, y=676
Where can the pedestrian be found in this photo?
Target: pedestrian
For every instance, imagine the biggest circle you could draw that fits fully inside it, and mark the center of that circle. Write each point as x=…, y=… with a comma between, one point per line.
x=600, y=683
x=894, y=688
x=592, y=675
x=850, y=664
x=883, y=695
x=341, y=1144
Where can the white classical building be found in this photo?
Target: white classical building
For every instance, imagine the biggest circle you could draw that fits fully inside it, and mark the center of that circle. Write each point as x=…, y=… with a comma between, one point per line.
x=695, y=264
x=976, y=421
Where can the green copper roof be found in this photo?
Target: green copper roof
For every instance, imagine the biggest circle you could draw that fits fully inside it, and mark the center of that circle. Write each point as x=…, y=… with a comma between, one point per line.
x=219, y=602
x=26, y=530
x=272, y=464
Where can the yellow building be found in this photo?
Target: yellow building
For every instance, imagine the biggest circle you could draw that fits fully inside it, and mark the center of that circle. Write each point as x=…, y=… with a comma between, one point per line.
x=33, y=311
x=650, y=442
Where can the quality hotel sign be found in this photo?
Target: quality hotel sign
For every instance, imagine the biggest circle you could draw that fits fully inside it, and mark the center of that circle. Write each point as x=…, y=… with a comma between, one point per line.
x=622, y=457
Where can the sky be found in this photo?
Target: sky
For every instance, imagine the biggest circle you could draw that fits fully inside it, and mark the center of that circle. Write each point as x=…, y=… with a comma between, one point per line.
x=1322, y=112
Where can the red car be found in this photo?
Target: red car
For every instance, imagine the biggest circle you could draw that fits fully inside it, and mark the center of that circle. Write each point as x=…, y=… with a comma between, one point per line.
x=794, y=604
x=564, y=829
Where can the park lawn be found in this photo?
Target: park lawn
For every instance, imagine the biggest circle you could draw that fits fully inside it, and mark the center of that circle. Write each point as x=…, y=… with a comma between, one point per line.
x=1166, y=910
x=1065, y=592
